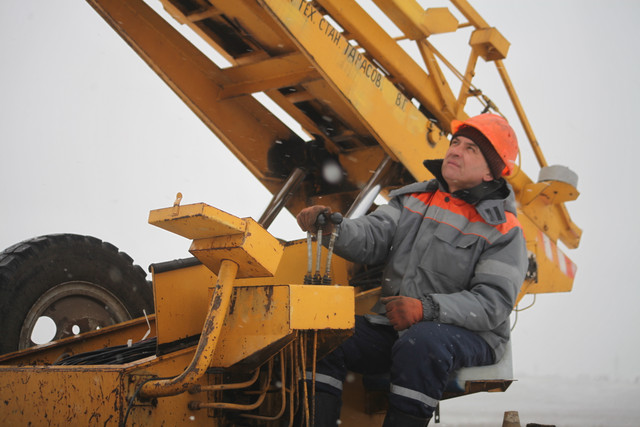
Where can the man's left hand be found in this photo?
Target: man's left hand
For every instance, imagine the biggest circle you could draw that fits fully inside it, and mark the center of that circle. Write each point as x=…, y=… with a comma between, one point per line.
x=402, y=312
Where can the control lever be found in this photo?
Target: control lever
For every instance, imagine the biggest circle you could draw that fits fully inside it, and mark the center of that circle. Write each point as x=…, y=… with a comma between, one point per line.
x=320, y=221
x=336, y=219
x=308, y=278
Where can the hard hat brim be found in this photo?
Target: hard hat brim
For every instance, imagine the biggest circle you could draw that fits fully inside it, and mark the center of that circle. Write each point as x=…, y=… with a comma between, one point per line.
x=455, y=125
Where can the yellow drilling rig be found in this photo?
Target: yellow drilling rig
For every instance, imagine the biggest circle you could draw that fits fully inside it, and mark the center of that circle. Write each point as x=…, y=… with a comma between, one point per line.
x=224, y=337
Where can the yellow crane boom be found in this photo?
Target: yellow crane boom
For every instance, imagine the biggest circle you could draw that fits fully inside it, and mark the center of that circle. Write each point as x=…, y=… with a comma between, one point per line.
x=235, y=320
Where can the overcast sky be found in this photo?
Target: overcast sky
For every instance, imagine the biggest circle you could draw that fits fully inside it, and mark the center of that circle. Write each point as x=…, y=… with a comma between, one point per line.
x=92, y=140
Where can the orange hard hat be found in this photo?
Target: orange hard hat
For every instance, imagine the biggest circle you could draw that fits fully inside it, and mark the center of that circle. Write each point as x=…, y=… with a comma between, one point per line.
x=497, y=130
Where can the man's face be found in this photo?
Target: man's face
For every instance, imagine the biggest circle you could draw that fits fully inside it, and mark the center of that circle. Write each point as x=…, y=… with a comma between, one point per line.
x=464, y=165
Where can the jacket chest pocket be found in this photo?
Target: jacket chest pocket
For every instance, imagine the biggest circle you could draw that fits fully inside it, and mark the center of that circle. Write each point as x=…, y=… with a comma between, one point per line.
x=451, y=257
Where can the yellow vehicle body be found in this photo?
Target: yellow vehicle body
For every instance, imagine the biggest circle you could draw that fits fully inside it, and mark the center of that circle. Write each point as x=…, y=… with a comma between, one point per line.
x=237, y=318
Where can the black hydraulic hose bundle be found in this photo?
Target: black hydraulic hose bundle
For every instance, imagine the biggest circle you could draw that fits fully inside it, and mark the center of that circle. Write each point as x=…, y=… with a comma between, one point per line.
x=116, y=355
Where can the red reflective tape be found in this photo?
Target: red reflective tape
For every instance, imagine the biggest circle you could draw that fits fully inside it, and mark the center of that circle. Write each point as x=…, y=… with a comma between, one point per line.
x=554, y=253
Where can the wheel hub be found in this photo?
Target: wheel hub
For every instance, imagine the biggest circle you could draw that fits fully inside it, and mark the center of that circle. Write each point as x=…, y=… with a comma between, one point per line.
x=73, y=308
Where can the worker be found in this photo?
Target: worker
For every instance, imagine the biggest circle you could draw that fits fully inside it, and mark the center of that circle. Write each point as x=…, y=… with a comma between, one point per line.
x=455, y=258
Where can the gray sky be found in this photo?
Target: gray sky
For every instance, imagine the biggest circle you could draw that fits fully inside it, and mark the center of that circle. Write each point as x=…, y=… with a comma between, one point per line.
x=92, y=140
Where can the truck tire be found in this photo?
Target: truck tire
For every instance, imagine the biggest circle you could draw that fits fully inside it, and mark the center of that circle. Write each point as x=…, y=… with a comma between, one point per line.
x=70, y=284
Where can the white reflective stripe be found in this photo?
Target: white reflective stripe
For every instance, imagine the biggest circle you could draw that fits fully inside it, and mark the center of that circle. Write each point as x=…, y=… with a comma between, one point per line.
x=562, y=261
x=415, y=395
x=325, y=379
x=547, y=246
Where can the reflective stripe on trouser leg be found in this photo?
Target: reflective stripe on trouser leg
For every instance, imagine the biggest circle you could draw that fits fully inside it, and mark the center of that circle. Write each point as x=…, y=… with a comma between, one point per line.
x=325, y=379
x=415, y=395
x=423, y=358
x=368, y=350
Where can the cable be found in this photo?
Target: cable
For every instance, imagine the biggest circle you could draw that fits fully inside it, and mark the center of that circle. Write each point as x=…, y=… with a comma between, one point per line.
x=473, y=89
x=518, y=310
x=515, y=320
x=116, y=355
x=529, y=306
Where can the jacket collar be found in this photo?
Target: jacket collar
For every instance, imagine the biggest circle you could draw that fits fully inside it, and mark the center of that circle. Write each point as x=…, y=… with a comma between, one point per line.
x=496, y=189
x=491, y=199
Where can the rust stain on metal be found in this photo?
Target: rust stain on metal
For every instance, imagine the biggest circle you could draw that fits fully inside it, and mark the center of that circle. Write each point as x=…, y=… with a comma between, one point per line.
x=232, y=303
x=217, y=300
x=269, y=294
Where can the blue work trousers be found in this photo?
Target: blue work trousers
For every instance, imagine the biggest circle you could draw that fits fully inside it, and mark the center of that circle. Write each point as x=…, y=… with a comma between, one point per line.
x=418, y=360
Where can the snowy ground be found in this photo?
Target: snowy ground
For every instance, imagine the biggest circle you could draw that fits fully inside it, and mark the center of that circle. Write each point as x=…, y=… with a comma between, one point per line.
x=550, y=401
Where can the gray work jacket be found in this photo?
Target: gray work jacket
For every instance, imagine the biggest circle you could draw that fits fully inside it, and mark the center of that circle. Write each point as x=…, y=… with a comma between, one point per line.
x=471, y=259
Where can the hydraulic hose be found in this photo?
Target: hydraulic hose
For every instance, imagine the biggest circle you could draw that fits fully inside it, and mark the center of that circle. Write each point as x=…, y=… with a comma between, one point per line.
x=208, y=340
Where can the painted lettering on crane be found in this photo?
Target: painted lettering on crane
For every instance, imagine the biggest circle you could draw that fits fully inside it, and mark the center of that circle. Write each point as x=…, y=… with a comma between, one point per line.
x=350, y=52
x=364, y=65
x=401, y=101
x=309, y=12
x=307, y=9
x=329, y=31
